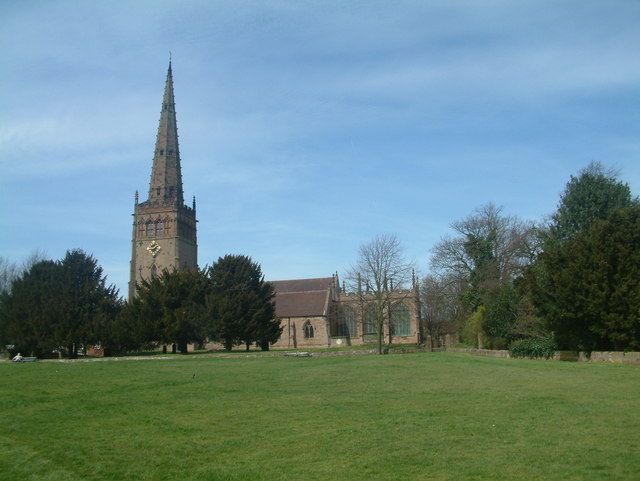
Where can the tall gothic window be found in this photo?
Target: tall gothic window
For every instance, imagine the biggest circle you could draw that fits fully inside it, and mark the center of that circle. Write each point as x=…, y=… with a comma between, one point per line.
x=154, y=271
x=369, y=325
x=307, y=329
x=160, y=228
x=346, y=322
x=150, y=229
x=400, y=320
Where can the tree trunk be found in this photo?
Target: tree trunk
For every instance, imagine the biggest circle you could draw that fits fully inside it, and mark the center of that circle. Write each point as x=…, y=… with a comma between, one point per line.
x=264, y=345
x=164, y=349
x=247, y=345
x=228, y=344
x=71, y=352
x=173, y=348
x=184, y=348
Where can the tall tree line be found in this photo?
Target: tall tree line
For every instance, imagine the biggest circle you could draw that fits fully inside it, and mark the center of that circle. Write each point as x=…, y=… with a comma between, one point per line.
x=63, y=306
x=57, y=306
x=572, y=280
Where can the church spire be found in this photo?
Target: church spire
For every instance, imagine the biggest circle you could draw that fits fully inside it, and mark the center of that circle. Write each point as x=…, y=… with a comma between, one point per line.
x=165, y=187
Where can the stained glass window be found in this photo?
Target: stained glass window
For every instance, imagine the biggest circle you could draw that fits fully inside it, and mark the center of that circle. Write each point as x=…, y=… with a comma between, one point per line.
x=347, y=323
x=400, y=320
x=307, y=328
x=370, y=319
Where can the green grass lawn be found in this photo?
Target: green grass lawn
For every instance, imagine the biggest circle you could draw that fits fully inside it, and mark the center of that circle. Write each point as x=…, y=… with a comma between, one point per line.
x=396, y=417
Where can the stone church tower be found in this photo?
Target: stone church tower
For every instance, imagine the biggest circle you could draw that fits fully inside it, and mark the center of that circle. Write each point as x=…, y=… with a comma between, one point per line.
x=164, y=228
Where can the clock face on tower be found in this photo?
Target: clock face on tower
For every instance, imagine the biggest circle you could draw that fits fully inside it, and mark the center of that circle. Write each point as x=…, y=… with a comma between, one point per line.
x=153, y=248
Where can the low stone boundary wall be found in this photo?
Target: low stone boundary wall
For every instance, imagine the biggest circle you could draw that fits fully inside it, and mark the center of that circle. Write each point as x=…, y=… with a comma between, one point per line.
x=355, y=352
x=571, y=356
x=363, y=352
x=611, y=356
x=596, y=356
x=481, y=352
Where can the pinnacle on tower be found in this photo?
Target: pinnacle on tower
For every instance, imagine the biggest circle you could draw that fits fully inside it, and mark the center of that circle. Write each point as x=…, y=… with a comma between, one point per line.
x=165, y=187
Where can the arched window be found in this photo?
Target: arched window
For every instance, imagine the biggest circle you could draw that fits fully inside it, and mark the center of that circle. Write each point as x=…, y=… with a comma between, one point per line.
x=151, y=229
x=307, y=328
x=347, y=322
x=160, y=228
x=400, y=320
x=369, y=326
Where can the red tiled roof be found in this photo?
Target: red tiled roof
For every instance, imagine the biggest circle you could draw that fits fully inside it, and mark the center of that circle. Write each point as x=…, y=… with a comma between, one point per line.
x=302, y=297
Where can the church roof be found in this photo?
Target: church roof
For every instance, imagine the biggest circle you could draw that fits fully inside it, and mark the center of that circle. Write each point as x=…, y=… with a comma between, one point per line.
x=302, y=297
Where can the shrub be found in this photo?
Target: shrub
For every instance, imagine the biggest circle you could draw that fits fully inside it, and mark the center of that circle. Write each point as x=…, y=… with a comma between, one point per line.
x=533, y=348
x=474, y=325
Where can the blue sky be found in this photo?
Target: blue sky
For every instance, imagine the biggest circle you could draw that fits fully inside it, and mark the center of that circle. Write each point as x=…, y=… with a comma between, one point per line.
x=306, y=128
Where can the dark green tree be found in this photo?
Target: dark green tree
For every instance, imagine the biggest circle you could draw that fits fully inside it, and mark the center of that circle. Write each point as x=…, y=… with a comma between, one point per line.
x=172, y=308
x=586, y=198
x=9, y=272
x=589, y=292
x=86, y=303
x=29, y=312
x=63, y=304
x=241, y=305
x=502, y=313
x=135, y=327
x=589, y=198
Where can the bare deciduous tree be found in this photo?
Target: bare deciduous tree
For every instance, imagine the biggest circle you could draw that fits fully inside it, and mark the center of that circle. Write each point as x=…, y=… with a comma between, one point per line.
x=381, y=278
x=440, y=301
x=10, y=271
x=489, y=250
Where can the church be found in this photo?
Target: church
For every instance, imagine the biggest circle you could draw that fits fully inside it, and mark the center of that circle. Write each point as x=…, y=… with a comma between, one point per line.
x=312, y=312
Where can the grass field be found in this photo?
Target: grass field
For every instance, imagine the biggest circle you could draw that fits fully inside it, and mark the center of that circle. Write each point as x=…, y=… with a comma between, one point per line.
x=412, y=416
